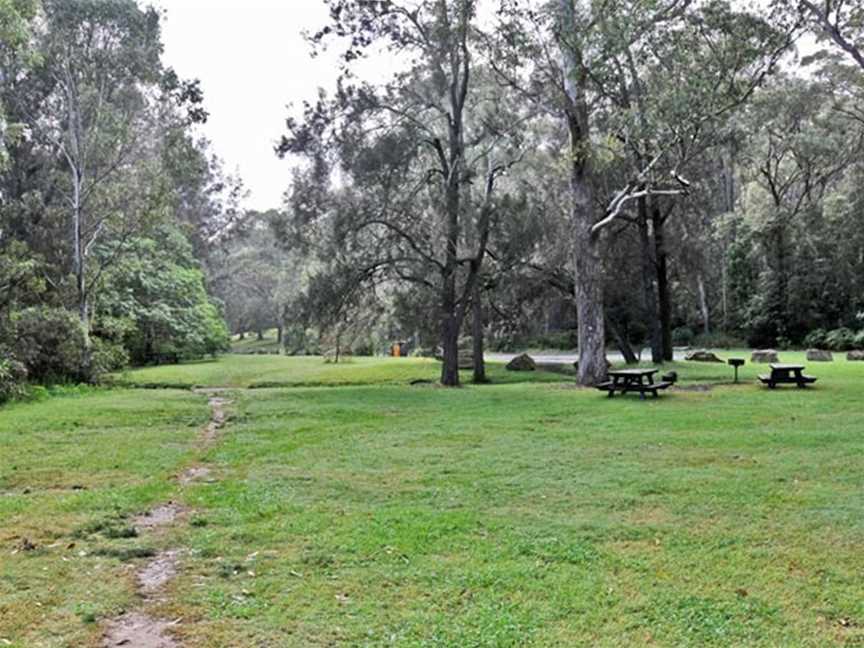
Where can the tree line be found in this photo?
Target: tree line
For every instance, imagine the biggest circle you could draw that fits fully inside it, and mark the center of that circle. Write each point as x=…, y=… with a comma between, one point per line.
x=109, y=201
x=581, y=173
x=629, y=172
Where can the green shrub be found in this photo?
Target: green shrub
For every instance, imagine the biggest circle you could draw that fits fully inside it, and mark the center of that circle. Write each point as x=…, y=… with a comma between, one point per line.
x=51, y=343
x=107, y=356
x=841, y=339
x=816, y=339
x=858, y=340
x=363, y=347
x=683, y=336
x=13, y=376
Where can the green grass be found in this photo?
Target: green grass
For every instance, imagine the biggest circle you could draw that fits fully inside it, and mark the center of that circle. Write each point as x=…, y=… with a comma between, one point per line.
x=251, y=343
x=72, y=470
x=284, y=371
x=511, y=514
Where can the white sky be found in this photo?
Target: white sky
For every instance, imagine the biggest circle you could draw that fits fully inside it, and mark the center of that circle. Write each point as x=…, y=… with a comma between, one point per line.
x=252, y=62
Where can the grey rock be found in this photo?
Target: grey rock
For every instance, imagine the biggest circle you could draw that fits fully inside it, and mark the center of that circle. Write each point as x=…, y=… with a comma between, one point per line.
x=702, y=355
x=764, y=355
x=522, y=362
x=819, y=355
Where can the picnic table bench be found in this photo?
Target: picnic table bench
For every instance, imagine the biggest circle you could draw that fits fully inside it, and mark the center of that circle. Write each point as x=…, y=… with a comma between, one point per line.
x=633, y=380
x=786, y=374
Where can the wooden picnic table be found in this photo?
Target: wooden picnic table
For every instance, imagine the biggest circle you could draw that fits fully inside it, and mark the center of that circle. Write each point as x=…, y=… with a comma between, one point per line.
x=632, y=380
x=787, y=374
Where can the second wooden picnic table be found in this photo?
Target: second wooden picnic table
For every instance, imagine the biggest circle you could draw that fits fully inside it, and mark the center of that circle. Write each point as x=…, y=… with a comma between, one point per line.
x=787, y=374
x=633, y=380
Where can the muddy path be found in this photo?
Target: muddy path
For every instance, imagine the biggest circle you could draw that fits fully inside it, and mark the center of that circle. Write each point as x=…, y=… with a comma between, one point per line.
x=137, y=628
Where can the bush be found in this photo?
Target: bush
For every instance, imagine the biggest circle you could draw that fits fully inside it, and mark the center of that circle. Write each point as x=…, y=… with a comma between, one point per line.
x=13, y=375
x=107, y=356
x=858, y=341
x=363, y=347
x=683, y=336
x=841, y=339
x=816, y=339
x=50, y=342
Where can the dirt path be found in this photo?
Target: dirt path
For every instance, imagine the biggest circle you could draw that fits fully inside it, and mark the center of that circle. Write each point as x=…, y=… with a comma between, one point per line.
x=137, y=629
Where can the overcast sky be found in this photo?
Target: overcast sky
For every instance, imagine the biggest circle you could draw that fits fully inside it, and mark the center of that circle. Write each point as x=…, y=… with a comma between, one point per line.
x=252, y=62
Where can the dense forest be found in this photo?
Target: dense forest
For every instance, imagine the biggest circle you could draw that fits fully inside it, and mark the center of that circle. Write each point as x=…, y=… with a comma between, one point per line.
x=627, y=173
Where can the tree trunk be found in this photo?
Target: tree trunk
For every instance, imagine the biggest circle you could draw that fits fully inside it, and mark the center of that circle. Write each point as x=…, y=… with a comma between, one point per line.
x=623, y=344
x=279, y=335
x=588, y=262
x=477, y=333
x=450, y=355
x=259, y=334
x=703, y=305
x=664, y=295
x=649, y=293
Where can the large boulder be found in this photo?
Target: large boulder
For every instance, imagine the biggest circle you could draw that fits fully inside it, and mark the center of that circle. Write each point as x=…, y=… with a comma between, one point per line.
x=764, y=355
x=702, y=355
x=522, y=362
x=819, y=355
x=855, y=356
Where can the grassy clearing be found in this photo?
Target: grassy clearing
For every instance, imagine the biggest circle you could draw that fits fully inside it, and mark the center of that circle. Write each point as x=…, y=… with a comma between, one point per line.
x=308, y=371
x=532, y=514
x=251, y=343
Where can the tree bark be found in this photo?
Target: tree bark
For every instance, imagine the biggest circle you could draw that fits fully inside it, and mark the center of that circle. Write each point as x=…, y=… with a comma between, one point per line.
x=703, y=305
x=649, y=292
x=664, y=294
x=588, y=262
x=477, y=333
x=623, y=344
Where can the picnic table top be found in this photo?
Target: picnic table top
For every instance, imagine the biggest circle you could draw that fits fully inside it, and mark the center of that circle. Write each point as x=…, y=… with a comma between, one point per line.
x=786, y=367
x=632, y=372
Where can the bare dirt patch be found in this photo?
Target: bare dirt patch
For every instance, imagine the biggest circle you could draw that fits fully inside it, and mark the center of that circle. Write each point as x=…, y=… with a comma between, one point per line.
x=160, y=516
x=137, y=630
x=158, y=572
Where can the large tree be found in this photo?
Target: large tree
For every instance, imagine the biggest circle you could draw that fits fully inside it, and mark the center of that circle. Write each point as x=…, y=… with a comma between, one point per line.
x=420, y=157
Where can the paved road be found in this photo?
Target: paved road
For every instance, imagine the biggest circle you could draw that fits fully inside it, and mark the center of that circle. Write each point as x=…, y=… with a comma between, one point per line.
x=569, y=358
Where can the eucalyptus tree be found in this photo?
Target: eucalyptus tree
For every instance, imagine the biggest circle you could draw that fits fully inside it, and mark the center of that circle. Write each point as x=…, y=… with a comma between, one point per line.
x=419, y=158
x=643, y=87
x=798, y=155
x=102, y=60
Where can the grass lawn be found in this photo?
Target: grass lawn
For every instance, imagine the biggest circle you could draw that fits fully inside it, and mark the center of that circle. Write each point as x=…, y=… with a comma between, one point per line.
x=251, y=343
x=377, y=513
